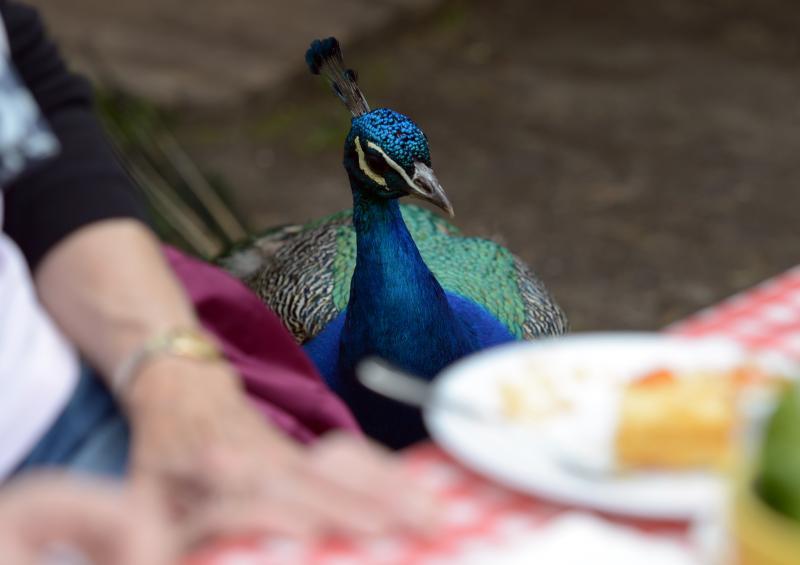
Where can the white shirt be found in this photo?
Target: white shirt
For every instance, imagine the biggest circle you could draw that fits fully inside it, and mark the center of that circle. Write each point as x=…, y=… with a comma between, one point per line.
x=39, y=370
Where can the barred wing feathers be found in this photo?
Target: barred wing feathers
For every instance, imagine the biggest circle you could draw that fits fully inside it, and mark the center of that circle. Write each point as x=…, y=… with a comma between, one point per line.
x=303, y=273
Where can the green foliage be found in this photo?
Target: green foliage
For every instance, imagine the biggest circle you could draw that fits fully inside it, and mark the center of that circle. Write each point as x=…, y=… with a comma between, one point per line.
x=189, y=208
x=779, y=473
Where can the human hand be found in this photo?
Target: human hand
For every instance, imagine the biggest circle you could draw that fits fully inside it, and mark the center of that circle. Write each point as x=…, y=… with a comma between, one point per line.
x=100, y=521
x=225, y=471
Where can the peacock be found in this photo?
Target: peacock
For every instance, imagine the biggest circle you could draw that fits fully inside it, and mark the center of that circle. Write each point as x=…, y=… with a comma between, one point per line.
x=390, y=280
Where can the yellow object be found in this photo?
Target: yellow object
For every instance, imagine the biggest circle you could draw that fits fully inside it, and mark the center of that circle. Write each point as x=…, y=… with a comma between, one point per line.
x=677, y=423
x=762, y=536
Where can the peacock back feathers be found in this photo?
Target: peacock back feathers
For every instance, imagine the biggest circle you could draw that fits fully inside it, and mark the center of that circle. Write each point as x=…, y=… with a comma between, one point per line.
x=303, y=273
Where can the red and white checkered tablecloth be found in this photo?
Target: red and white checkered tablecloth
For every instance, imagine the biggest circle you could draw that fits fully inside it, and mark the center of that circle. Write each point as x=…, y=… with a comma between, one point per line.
x=481, y=515
x=766, y=317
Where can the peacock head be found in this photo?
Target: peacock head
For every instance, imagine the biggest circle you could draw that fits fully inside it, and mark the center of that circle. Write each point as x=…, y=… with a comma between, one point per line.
x=385, y=152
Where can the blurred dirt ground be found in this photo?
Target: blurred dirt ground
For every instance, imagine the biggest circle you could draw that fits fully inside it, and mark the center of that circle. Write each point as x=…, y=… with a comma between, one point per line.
x=642, y=156
x=206, y=52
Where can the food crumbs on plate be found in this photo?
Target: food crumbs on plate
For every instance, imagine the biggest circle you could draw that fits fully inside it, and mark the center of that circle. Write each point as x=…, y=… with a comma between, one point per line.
x=532, y=400
x=512, y=401
x=581, y=373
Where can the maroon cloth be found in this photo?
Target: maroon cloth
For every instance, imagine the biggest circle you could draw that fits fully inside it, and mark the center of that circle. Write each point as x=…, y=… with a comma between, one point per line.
x=278, y=376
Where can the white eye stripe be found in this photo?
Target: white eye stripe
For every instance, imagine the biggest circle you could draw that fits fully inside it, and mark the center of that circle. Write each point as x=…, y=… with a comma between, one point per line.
x=391, y=163
x=362, y=163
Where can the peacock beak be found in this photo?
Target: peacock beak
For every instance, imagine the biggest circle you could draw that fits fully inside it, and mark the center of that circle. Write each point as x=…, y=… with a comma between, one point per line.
x=425, y=186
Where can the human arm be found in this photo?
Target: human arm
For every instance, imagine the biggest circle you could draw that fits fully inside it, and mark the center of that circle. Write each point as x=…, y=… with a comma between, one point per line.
x=194, y=430
x=100, y=273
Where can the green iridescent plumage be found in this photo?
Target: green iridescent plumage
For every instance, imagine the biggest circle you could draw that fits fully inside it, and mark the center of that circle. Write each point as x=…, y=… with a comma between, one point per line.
x=303, y=273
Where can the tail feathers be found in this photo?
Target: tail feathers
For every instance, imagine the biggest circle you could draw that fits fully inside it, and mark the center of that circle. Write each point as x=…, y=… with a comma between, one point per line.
x=324, y=57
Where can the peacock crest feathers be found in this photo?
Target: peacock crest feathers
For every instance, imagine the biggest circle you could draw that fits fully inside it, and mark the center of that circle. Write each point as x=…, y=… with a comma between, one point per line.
x=324, y=57
x=306, y=270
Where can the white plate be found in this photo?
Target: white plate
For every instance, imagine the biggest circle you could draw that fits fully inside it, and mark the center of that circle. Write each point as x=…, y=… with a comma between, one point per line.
x=512, y=455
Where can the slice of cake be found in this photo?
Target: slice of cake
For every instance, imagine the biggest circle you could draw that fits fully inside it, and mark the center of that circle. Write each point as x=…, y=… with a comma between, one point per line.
x=669, y=421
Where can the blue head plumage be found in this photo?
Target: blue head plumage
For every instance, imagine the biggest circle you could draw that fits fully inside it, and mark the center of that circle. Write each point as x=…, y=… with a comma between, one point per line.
x=398, y=136
x=386, y=154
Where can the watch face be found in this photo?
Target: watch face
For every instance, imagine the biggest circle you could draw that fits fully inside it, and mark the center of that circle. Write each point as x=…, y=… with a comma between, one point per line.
x=25, y=136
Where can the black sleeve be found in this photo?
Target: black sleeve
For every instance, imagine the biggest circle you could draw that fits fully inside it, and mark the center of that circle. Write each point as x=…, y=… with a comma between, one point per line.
x=84, y=183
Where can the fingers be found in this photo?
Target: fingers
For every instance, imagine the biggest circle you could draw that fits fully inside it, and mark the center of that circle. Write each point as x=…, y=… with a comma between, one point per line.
x=253, y=497
x=334, y=509
x=246, y=477
x=105, y=523
x=369, y=473
x=300, y=509
x=343, y=485
x=13, y=552
x=244, y=518
x=149, y=538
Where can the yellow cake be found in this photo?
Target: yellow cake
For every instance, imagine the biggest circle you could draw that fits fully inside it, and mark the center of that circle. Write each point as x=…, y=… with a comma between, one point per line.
x=672, y=422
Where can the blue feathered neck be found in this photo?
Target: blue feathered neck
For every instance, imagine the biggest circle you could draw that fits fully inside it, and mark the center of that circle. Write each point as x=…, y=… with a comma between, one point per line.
x=397, y=309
